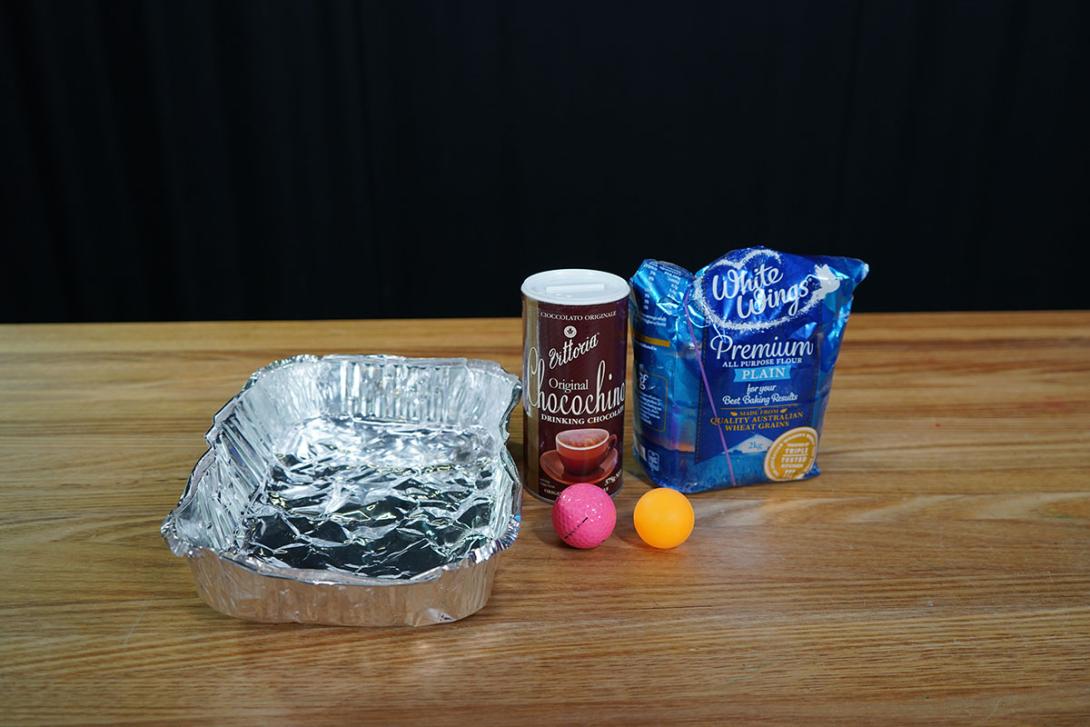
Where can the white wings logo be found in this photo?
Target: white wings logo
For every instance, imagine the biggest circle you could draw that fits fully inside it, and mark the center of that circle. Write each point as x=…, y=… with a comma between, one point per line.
x=759, y=292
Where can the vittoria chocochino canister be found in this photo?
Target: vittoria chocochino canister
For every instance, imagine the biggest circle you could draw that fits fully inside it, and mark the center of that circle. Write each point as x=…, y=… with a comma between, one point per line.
x=575, y=324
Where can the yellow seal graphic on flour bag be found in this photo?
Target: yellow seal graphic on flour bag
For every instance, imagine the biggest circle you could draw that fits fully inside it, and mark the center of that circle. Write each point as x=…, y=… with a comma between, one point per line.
x=792, y=454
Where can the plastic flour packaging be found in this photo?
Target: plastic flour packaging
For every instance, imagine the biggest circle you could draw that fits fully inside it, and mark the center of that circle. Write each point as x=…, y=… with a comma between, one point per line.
x=734, y=365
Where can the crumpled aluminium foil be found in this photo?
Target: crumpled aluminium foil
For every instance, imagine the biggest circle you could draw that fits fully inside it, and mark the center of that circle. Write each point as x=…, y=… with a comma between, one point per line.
x=362, y=490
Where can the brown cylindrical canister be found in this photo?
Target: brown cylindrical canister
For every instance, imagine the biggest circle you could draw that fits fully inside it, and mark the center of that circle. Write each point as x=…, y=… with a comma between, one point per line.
x=575, y=327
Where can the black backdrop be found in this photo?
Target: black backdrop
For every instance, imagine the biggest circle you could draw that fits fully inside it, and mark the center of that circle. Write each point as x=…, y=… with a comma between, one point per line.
x=201, y=160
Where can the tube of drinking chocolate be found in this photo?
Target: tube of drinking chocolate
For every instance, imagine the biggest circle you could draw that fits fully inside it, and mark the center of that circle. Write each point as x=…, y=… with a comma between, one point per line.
x=575, y=324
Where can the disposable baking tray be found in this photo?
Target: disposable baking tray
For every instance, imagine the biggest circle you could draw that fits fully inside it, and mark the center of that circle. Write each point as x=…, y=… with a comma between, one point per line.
x=354, y=490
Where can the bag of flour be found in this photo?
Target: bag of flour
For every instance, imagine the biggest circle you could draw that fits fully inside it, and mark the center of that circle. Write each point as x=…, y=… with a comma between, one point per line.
x=733, y=365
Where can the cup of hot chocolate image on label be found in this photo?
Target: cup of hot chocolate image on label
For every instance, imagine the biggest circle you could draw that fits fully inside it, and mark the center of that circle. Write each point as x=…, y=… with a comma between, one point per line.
x=581, y=455
x=582, y=451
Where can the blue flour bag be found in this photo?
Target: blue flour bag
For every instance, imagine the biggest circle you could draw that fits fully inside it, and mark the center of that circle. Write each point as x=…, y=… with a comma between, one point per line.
x=734, y=365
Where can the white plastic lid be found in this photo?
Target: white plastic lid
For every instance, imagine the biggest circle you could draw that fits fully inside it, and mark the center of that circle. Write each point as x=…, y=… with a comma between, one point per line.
x=575, y=286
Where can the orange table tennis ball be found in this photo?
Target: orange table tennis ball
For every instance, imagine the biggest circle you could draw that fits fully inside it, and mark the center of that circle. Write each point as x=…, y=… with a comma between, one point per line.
x=663, y=518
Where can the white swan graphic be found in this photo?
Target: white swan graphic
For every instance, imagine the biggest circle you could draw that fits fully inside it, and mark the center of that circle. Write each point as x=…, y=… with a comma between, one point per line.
x=827, y=281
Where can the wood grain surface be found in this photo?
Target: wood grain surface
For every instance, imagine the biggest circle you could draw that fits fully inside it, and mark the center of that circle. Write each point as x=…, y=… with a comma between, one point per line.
x=938, y=571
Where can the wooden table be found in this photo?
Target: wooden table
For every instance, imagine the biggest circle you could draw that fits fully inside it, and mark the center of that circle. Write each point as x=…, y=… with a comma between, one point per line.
x=938, y=570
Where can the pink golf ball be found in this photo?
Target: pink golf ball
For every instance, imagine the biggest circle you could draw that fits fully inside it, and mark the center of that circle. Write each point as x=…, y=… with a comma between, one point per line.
x=584, y=515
